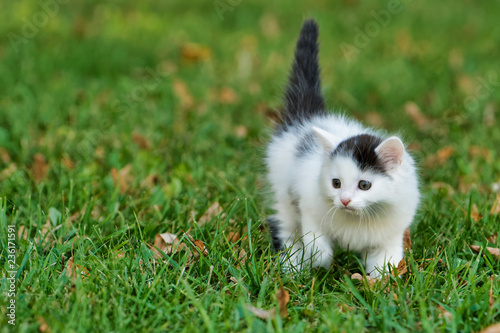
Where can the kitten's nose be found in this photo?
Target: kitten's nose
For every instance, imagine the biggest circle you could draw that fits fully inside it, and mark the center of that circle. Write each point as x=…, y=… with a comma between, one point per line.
x=345, y=202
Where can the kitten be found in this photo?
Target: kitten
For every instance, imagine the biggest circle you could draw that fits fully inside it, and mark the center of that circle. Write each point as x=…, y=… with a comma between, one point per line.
x=335, y=182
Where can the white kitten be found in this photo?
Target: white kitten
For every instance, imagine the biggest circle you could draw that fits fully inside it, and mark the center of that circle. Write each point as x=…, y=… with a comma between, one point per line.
x=335, y=182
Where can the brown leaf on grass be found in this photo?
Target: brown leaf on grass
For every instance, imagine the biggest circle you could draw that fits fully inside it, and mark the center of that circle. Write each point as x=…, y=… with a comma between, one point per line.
x=346, y=308
x=493, y=238
x=68, y=163
x=241, y=131
x=495, y=208
x=45, y=234
x=442, y=185
x=8, y=171
x=413, y=111
x=73, y=270
x=141, y=141
x=283, y=298
x=22, y=232
x=476, y=151
x=370, y=280
x=199, y=245
x=492, y=250
x=122, y=178
x=373, y=118
x=407, y=240
x=150, y=181
x=269, y=25
x=443, y=313
x=474, y=213
x=212, y=211
x=260, y=313
x=440, y=157
x=40, y=167
x=233, y=237
x=183, y=94
x=4, y=155
x=227, y=96
x=192, y=52
x=492, y=329
x=43, y=328
x=167, y=243
x=402, y=269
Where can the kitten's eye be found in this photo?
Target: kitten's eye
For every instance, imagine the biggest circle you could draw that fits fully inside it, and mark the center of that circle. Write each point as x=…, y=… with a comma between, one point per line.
x=336, y=183
x=364, y=185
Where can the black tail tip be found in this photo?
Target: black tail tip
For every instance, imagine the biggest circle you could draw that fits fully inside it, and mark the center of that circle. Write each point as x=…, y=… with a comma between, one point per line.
x=310, y=28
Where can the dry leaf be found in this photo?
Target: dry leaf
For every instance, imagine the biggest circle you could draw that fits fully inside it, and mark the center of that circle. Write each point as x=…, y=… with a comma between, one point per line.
x=8, y=171
x=413, y=111
x=212, y=211
x=345, y=308
x=122, y=178
x=407, y=240
x=492, y=250
x=167, y=243
x=233, y=237
x=492, y=329
x=262, y=314
x=373, y=118
x=283, y=298
x=183, y=94
x=191, y=52
x=150, y=181
x=269, y=25
x=370, y=280
x=141, y=141
x=73, y=270
x=68, y=163
x=495, y=208
x=443, y=313
x=493, y=238
x=227, y=96
x=43, y=328
x=402, y=268
x=22, y=232
x=241, y=131
x=474, y=213
x=199, y=245
x=40, y=167
x=440, y=157
x=45, y=235
x=4, y=155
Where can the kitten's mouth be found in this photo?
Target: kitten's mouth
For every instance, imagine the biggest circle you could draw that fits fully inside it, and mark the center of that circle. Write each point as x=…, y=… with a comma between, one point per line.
x=350, y=210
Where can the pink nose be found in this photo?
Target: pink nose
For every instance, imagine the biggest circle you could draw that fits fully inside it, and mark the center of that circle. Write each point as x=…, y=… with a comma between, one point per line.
x=345, y=202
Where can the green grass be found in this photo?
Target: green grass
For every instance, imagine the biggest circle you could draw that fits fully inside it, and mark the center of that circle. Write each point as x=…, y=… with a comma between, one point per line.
x=80, y=92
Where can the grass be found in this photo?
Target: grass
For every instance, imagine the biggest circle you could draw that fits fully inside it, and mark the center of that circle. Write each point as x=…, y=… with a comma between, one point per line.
x=120, y=121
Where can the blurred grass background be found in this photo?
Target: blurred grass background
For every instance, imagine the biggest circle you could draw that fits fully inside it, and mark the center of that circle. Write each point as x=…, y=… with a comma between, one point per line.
x=121, y=120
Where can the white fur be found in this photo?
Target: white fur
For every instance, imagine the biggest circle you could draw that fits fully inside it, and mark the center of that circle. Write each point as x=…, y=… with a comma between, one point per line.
x=312, y=218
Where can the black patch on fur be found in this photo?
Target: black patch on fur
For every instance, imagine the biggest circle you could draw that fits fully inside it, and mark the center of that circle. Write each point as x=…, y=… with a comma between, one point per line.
x=274, y=228
x=362, y=149
x=306, y=145
x=303, y=98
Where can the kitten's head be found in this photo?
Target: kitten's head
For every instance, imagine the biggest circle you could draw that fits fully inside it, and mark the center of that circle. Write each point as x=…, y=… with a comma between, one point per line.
x=360, y=174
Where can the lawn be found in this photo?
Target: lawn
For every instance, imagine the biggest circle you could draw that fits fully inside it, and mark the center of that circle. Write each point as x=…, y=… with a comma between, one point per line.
x=125, y=121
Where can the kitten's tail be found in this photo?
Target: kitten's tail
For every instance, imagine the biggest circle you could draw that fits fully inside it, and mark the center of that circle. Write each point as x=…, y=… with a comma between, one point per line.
x=303, y=98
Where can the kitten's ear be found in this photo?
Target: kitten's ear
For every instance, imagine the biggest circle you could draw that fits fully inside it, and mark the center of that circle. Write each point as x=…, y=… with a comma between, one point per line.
x=327, y=140
x=391, y=152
